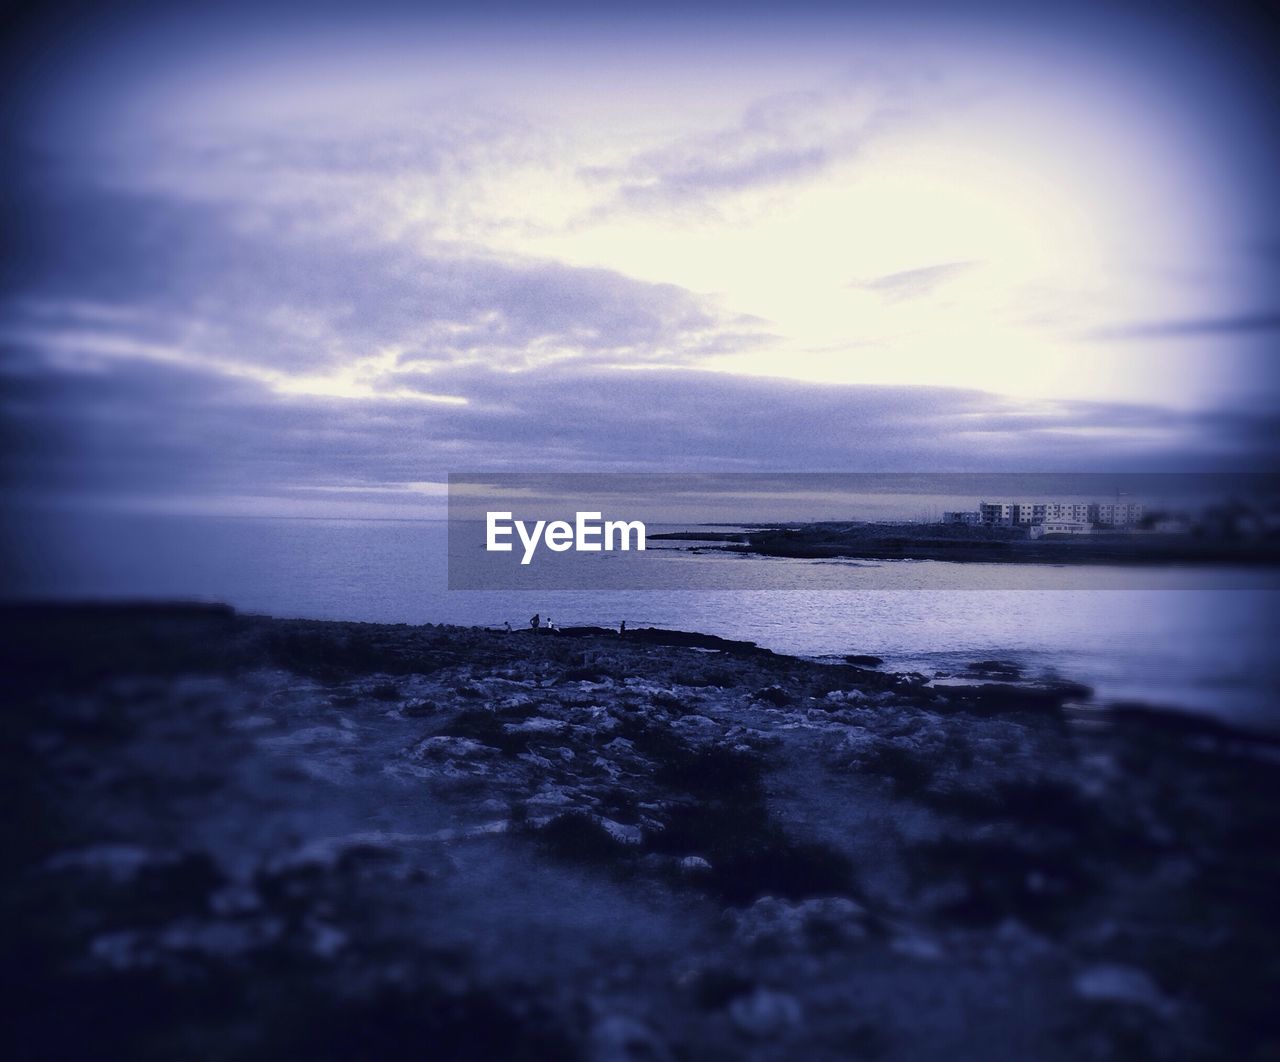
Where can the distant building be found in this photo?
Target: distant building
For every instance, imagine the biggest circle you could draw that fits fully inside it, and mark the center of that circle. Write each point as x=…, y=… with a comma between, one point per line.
x=1029, y=513
x=1076, y=512
x=997, y=514
x=1116, y=514
x=968, y=518
x=1061, y=527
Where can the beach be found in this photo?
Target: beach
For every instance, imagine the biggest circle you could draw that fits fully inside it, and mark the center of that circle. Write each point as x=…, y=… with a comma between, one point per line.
x=243, y=837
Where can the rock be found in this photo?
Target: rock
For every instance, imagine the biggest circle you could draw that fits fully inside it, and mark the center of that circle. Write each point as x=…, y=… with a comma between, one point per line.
x=119, y=862
x=453, y=748
x=121, y=950
x=863, y=660
x=608, y=767
x=329, y=853
x=657, y=636
x=915, y=946
x=417, y=709
x=997, y=698
x=453, y=758
x=537, y=724
x=621, y=833
x=218, y=939
x=694, y=864
x=619, y=1038
x=133, y=949
x=774, y=695
x=235, y=899
x=252, y=722
x=696, y=725
x=1016, y=940
x=753, y=738
x=550, y=796
x=765, y=1013
x=997, y=669
x=774, y=923
x=326, y=940
x=310, y=737
x=1114, y=983
x=715, y=986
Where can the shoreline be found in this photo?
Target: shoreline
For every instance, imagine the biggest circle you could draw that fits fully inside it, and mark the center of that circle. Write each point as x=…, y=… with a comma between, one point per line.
x=1014, y=668
x=1103, y=550
x=980, y=544
x=367, y=825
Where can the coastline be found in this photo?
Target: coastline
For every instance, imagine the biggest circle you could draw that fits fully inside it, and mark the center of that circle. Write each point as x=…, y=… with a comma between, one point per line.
x=340, y=825
x=979, y=545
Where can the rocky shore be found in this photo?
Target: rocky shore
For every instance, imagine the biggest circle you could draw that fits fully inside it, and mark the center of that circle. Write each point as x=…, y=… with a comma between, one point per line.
x=237, y=837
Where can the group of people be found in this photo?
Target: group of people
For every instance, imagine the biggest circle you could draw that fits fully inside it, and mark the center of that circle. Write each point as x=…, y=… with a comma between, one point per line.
x=536, y=622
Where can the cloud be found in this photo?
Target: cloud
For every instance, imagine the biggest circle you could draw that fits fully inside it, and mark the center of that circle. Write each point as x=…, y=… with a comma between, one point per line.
x=913, y=283
x=133, y=429
x=778, y=140
x=1242, y=324
x=213, y=284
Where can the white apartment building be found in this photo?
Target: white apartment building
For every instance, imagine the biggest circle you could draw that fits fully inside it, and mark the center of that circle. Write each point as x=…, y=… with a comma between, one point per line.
x=1068, y=511
x=1027, y=513
x=1061, y=527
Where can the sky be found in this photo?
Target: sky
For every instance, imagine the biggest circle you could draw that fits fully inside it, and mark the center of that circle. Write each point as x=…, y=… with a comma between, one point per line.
x=277, y=259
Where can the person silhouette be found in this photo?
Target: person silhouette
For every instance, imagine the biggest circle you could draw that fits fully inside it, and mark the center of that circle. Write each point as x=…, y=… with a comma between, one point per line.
x=536, y=622
x=622, y=627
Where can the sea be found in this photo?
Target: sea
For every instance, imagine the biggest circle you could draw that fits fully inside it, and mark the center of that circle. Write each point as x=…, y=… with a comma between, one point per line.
x=1180, y=638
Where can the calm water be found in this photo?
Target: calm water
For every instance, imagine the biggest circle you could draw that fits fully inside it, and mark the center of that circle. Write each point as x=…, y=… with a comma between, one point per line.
x=1181, y=643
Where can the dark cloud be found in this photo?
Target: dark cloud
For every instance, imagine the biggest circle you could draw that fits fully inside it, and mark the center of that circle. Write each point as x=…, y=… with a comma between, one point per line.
x=133, y=428
x=278, y=291
x=429, y=140
x=1242, y=324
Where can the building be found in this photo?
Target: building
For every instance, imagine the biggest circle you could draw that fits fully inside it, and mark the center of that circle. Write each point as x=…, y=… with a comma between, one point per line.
x=1069, y=511
x=1013, y=513
x=1116, y=514
x=997, y=514
x=968, y=518
x=1060, y=527
x=1029, y=513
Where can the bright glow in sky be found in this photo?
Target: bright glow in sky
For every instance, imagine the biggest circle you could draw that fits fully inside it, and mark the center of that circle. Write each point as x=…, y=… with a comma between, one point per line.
x=914, y=214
